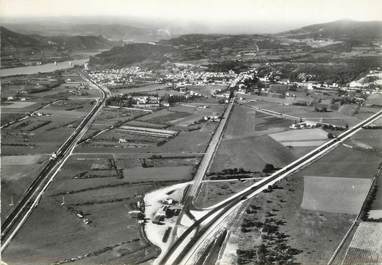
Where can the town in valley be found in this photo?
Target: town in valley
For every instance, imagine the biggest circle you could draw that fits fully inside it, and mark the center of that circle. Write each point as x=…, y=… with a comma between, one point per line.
x=134, y=143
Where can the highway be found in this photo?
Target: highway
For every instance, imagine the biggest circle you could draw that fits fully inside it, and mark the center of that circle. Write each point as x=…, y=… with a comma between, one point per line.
x=33, y=194
x=210, y=152
x=193, y=239
x=204, y=165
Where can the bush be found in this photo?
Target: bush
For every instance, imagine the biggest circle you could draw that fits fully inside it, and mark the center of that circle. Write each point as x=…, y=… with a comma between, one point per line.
x=268, y=168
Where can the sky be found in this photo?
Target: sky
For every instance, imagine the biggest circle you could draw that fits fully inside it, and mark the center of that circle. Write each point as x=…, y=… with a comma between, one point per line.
x=233, y=12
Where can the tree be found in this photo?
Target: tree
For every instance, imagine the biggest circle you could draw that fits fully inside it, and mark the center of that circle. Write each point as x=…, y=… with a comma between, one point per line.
x=261, y=253
x=268, y=168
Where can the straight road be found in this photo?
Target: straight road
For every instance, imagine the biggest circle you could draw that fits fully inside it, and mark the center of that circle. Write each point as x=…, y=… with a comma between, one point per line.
x=210, y=152
x=203, y=167
x=195, y=236
x=31, y=198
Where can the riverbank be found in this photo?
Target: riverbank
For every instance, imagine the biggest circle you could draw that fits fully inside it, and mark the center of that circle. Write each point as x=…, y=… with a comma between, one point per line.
x=44, y=68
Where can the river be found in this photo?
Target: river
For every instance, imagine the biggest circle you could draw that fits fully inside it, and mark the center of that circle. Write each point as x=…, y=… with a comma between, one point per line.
x=44, y=68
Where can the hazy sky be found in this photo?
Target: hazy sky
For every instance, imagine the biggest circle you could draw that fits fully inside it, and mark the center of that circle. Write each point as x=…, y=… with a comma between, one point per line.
x=234, y=12
x=201, y=9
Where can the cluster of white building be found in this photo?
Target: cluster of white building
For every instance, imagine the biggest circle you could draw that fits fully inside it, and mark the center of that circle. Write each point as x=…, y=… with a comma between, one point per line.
x=190, y=77
x=172, y=76
x=374, y=77
x=114, y=77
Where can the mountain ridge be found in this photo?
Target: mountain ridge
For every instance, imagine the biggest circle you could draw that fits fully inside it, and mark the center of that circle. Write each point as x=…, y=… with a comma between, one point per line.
x=11, y=40
x=339, y=30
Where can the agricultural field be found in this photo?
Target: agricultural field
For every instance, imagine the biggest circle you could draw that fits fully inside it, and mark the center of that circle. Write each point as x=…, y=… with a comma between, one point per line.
x=140, y=89
x=339, y=118
x=301, y=138
x=197, y=113
x=164, y=116
x=216, y=191
x=91, y=197
x=274, y=220
x=151, y=174
x=122, y=130
x=51, y=106
x=374, y=100
x=206, y=90
x=86, y=199
x=19, y=105
x=39, y=113
x=147, y=124
x=17, y=174
x=102, y=182
x=308, y=213
x=346, y=157
x=246, y=143
x=46, y=130
x=334, y=194
x=251, y=153
x=366, y=245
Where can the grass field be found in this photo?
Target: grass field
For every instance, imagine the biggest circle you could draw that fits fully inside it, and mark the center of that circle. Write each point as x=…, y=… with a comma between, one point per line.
x=146, y=88
x=312, y=213
x=310, y=235
x=336, y=195
x=146, y=124
x=251, y=153
x=242, y=122
x=156, y=114
x=17, y=173
x=308, y=112
x=348, y=109
x=186, y=121
x=103, y=201
x=246, y=143
x=189, y=142
x=19, y=105
x=213, y=192
x=21, y=160
x=180, y=173
x=301, y=138
x=246, y=122
x=168, y=117
x=300, y=135
x=374, y=99
x=197, y=112
x=345, y=159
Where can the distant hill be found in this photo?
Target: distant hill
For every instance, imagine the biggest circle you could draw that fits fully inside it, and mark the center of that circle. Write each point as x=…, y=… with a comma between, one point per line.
x=109, y=31
x=214, y=47
x=12, y=41
x=339, y=30
x=25, y=49
x=132, y=53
